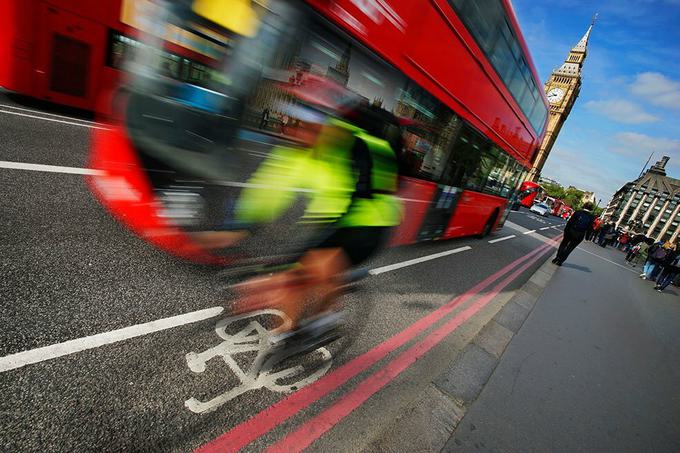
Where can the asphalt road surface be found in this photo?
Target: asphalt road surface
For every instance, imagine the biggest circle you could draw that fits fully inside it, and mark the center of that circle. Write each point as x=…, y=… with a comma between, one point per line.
x=107, y=344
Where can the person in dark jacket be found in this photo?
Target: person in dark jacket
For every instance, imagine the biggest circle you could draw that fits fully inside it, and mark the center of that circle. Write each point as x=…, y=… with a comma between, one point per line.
x=656, y=256
x=607, y=233
x=669, y=272
x=574, y=232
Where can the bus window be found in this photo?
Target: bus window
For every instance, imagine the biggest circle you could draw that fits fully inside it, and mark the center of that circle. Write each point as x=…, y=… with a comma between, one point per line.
x=463, y=168
x=427, y=143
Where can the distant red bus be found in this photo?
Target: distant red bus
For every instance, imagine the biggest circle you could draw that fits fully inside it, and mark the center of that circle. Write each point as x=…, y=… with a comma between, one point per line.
x=561, y=209
x=529, y=191
x=462, y=73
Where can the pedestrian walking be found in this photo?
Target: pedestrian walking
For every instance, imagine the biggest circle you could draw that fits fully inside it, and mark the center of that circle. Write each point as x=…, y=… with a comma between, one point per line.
x=597, y=226
x=623, y=241
x=670, y=271
x=606, y=234
x=574, y=232
x=655, y=258
x=642, y=255
x=632, y=252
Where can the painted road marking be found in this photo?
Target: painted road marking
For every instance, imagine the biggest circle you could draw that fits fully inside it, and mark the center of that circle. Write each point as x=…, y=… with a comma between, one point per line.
x=544, y=228
x=72, y=123
x=71, y=346
x=422, y=259
x=253, y=337
x=24, y=358
x=50, y=168
x=605, y=259
x=6, y=106
x=493, y=241
x=314, y=428
x=271, y=417
x=529, y=232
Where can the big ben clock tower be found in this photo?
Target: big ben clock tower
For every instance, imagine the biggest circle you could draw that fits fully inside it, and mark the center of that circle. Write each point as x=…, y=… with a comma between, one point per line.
x=562, y=89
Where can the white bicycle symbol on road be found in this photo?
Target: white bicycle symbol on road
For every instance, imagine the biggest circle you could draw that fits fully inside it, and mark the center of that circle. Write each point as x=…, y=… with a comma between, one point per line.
x=251, y=338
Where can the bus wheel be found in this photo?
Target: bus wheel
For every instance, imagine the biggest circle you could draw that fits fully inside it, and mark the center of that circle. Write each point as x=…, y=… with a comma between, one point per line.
x=488, y=226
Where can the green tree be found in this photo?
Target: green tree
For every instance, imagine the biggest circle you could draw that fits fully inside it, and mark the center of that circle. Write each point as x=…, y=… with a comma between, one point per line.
x=554, y=190
x=573, y=197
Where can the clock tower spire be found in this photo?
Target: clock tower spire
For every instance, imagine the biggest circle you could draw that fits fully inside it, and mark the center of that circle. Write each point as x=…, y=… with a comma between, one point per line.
x=562, y=89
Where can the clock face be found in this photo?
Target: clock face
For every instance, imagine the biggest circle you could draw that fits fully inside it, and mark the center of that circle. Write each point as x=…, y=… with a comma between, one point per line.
x=555, y=95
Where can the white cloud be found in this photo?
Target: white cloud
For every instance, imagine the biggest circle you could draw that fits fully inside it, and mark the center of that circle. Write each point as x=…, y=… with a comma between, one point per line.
x=657, y=89
x=633, y=143
x=622, y=111
x=586, y=172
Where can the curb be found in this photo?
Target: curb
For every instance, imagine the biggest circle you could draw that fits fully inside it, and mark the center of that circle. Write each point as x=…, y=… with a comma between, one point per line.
x=428, y=423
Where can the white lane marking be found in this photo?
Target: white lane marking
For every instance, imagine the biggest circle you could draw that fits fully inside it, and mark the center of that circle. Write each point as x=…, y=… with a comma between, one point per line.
x=49, y=168
x=6, y=106
x=422, y=259
x=544, y=228
x=502, y=239
x=53, y=351
x=72, y=123
x=529, y=232
x=253, y=337
x=31, y=356
x=605, y=259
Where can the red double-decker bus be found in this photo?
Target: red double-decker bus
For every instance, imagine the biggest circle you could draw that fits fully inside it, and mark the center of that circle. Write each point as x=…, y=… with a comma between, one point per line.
x=529, y=191
x=459, y=70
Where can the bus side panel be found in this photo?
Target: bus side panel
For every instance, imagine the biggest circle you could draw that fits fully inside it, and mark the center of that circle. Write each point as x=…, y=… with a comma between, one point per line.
x=449, y=62
x=17, y=44
x=426, y=41
x=473, y=211
x=416, y=196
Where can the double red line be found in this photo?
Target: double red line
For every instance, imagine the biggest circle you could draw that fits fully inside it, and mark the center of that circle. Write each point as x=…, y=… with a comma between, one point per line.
x=268, y=419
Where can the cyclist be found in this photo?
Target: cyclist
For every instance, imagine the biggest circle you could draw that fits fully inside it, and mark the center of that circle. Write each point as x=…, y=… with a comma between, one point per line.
x=349, y=176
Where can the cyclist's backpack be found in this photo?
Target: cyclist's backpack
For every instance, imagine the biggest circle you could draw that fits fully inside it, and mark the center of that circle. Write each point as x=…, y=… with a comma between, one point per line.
x=581, y=221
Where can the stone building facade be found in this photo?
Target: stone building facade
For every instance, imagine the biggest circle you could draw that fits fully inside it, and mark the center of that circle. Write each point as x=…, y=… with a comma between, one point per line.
x=648, y=205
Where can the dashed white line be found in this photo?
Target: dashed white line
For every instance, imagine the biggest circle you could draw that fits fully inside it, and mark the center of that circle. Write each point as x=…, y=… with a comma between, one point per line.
x=72, y=123
x=422, y=259
x=24, y=358
x=544, y=228
x=493, y=241
x=6, y=106
x=49, y=168
x=529, y=232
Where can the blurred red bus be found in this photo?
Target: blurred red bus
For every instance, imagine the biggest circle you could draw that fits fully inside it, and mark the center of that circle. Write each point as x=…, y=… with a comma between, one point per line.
x=459, y=69
x=529, y=192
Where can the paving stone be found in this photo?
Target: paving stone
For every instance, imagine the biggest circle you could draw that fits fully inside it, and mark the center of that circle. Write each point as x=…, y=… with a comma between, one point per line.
x=533, y=289
x=512, y=316
x=425, y=427
x=467, y=375
x=540, y=279
x=494, y=338
x=524, y=299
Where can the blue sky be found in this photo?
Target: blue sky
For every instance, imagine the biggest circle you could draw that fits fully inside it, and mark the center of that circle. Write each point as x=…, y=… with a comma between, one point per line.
x=629, y=104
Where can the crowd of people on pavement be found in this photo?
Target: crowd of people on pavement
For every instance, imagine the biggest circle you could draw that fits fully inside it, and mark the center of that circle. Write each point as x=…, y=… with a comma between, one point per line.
x=660, y=260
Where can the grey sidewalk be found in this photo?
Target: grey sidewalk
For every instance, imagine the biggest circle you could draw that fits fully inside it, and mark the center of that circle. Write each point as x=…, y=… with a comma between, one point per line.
x=594, y=368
